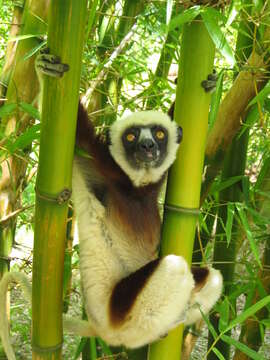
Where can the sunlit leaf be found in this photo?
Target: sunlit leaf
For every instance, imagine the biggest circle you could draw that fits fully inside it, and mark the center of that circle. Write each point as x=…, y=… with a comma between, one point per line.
x=242, y=347
x=229, y=222
x=24, y=37
x=224, y=310
x=215, y=100
x=248, y=312
x=261, y=95
x=218, y=353
x=184, y=17
x=169, y=11
x=248, y=231
x=210, y=17
x=34, y=50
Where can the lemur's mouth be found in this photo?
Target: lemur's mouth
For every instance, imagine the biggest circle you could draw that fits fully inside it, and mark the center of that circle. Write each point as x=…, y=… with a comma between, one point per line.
x=147, y=156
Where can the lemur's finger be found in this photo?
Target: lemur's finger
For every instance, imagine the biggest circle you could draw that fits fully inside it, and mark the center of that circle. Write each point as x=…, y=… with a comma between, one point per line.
x=52, y=69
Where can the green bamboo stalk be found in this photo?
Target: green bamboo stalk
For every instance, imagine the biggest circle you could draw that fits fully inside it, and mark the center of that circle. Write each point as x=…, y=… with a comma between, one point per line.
x=224, y=254
x=245, y=87
x=16, y=71
x=11, y=49
x=184, y=182
x=252, y=330
x=59, y=108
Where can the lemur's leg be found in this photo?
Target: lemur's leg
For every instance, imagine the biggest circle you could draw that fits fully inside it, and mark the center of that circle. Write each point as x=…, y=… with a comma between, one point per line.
x=208, y=288
x=149, y=302
x=210, y=83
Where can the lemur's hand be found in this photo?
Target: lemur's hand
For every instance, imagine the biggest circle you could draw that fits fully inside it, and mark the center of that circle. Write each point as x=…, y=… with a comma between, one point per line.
x=50, y=65
x=210, y=83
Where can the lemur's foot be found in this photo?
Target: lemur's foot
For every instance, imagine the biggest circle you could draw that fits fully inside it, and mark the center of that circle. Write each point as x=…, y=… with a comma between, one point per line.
x=210, y=83
x=50, y=65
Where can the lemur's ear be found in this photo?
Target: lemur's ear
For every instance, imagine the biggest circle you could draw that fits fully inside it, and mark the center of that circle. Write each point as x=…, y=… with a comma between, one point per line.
x=179, y=134
x=108, y=137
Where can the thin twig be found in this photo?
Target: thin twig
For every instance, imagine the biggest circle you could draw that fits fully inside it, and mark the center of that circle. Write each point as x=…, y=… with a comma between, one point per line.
x=14, y=213
x=103, y=73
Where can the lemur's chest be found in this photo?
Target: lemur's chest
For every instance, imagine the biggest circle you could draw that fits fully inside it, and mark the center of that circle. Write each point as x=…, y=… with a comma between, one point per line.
x=134, y=225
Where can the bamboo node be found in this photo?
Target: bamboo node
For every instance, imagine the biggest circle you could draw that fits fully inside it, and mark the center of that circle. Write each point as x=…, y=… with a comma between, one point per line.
x=49, y=349
x=182, y=209
x=59, y=198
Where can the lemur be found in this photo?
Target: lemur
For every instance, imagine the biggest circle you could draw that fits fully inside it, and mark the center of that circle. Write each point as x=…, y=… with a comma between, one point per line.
x=132, y=297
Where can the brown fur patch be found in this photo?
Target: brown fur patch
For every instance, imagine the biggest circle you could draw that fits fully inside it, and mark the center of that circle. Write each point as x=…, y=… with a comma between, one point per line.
x=136, y=214
x=126, y=291
x=200, y=276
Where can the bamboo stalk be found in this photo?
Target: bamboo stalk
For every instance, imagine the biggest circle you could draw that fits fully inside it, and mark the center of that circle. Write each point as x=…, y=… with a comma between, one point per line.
x=184, y=182
x=252, y=331
x=248, y=83
x=16, y=70
x=59, y=108
x=11, y=49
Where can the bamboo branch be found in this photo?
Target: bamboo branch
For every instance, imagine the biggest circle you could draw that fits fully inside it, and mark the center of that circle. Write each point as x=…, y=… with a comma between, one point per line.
x=104, y=72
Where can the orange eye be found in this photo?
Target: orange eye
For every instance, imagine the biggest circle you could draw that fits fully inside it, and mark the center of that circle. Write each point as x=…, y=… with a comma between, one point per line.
x=130, y=137
x=160, y=134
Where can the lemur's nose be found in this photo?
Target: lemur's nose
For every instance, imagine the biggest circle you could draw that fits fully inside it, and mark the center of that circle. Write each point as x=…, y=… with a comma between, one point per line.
x=147, y=145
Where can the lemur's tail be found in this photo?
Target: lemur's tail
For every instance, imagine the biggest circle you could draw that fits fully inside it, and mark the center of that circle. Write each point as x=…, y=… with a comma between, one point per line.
x=8, y=278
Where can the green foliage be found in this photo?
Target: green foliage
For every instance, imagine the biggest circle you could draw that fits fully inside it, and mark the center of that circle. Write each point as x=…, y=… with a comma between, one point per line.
x=129, y=82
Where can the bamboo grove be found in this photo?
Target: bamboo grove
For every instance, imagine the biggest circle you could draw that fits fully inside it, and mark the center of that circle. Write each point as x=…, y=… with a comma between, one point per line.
x=127, y=56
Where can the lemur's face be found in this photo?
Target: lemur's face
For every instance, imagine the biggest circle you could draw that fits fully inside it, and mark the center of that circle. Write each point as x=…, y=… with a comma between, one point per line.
x=145, y=146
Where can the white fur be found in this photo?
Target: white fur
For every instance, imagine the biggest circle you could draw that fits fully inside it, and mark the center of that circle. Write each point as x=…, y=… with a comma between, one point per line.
x=107, y=256
x=143, y=176
x=206, y=298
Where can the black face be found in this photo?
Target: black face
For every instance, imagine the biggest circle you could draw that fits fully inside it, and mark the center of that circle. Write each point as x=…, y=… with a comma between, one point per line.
x=145, y=146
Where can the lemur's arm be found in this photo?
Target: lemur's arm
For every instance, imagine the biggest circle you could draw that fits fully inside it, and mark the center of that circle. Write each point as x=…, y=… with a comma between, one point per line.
x=96, y=147
x=73, y=325
x=86, y=138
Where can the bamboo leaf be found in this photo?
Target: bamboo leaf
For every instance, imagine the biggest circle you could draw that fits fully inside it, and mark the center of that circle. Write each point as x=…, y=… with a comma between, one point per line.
x=27, y=36
x=92, y=17
x=217, y=187
x=30, y=109
x=169, y=11
x=224, y=311
x=216, y=97
x=184, y=17
x=261, y=95
x=26, y=138
x=233, y=12
x=210, y=17
x=229, y=222
x=242, y=347
x=251, y=119
x=218, y=353
x=34, y=50
x=266, y=322
x=93, y=348
x=248, y=231
x=209, y=325
x=105, y=348
x=7, y=109
x=248, y=313
x=80, y=348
